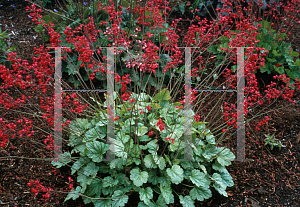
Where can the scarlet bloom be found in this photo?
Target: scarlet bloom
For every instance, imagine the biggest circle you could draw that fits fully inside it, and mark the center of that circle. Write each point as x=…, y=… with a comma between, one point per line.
x=172, y=141
x=118, y=78
x=197, y=118
x=149, y=108
x=159, y=122
x=167, y=138
x=161, y=127
x=150, y=133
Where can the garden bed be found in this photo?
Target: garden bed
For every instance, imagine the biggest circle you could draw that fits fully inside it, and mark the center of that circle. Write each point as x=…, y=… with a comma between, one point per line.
x=272, y=179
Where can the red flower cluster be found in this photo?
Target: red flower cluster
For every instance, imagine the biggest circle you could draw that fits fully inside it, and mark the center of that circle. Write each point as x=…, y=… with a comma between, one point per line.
x=160, y=124
x=38, y=187
x=172, y=139
x=150, y=133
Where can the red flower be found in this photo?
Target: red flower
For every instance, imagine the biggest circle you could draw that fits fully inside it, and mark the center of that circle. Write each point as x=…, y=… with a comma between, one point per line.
x=172, y=140
x=197, y=118
x=150, y=133
x=149, y=108
x=159, y=122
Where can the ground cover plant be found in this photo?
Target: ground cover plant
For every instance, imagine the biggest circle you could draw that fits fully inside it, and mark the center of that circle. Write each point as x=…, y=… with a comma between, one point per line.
x=146, y=60
x=153, y=167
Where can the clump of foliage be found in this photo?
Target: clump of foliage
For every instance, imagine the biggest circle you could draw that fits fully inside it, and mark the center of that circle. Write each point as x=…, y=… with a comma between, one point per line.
x=273, y=142
x=279, y=57
x=149, y=138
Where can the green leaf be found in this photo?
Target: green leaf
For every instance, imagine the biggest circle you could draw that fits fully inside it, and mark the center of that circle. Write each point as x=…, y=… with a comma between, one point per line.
x=210, y=152
x=94, y=189
x=138, y=178
x=275, y=53
x=233, y=68
x=297, y=62
x=290, y=74
x=108, y=182
x=116, y=163
x=84, y=181
x=295, y=54
x=264, y=69
x=146, y=195
x=227, y=179
x=80, y=124
x=164, y=104
x=152, y=146
x=160, y=161
x=48, y=19
x=38, y=28
x=220, y=189
x=225, y=157
x=221, y=182
x=181, y=7
x=176, y=174
x=73, y=194
x=149, y=162
x=186, y=164
x=218, y=167
x=142, y=131
x=120, y=150
x=163, y=95
x=145, y=138
x=166, y=192
x=186, y=201
x=96, y=150
x=119, y=201
x=81, y=148
x=199, y=179
x=168, y=159
x=210, y=139
x=79, y=164
x=200, y=193
x=155, y=106
x=95, y=133
x=103, y=203
x=161, y=201
x=91, y=169
x=279, y=70
x=153, y=178
x=63, y=159
x=164, y=181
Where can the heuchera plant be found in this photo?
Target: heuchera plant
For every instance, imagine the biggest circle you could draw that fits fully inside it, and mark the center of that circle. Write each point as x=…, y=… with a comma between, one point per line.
x=149, y=138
